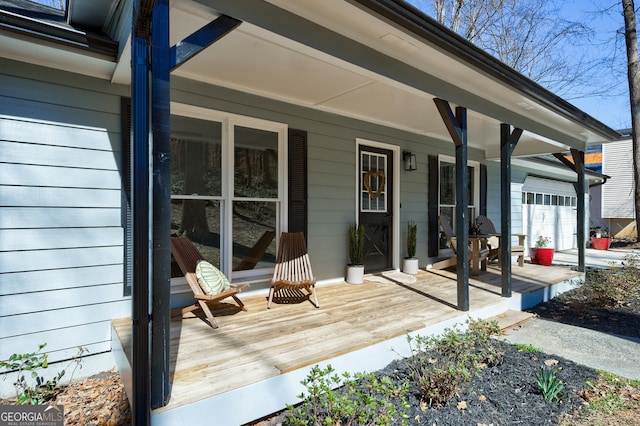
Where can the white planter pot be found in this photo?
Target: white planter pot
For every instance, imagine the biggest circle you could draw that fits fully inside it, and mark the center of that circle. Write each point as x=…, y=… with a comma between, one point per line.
x=355, y=274
x=410, y=265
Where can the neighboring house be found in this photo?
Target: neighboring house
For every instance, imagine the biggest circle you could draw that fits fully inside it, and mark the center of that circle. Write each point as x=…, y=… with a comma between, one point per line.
x=612, y=204
x=298, y=119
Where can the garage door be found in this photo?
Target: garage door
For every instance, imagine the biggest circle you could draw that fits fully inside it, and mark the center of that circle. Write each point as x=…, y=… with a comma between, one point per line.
x=549, y=209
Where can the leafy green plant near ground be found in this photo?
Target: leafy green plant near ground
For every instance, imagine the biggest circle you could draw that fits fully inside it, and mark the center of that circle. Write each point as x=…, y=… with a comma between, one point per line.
x=347, y=400
x=34, y=390
x=442, y=365
x=549, y=384
x=611, y=287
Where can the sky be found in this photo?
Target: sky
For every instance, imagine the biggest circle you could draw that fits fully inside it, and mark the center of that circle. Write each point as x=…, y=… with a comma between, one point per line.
x=612, y=110
x=604, y=18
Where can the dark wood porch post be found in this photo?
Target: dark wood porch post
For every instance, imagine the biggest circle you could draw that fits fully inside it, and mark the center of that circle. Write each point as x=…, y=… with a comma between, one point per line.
x=578, y=161
x=508, y=141
x=141, y=380
x=580, y=186
x=457, y=127
x=505, y=207
x=161, y=253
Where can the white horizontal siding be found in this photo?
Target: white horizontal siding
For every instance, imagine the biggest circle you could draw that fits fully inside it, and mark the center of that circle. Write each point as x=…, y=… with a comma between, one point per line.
x=54, y=279
x=38, y=260
x=46, y=155
x=61, y=235
x=58, y=134
x=42, y=301
x=43, y=239
x=58, y=217
x=617, y=192
x=49, y=176
x=32, y=196
x=22, y=324
x=62, y=343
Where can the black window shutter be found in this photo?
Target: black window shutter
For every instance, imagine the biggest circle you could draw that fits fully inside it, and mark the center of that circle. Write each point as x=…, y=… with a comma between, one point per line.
x=127, y=212
x=297, y=181
x=483, y=189
x=433, y=190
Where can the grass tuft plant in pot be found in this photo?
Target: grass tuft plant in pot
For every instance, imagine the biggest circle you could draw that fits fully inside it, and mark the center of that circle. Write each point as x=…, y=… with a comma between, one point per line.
x=410, y=263
x=540, y=253
x=355, y=269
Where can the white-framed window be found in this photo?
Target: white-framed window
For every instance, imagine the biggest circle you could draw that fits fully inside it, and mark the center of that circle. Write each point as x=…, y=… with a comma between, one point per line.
x=228, y=187
x=373, y=190
x=447, y=192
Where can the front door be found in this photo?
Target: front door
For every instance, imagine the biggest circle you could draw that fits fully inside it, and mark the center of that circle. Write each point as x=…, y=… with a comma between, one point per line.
x=375, y=206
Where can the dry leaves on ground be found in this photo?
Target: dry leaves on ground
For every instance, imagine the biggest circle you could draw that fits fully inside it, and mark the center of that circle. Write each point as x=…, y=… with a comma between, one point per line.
x=97, y=400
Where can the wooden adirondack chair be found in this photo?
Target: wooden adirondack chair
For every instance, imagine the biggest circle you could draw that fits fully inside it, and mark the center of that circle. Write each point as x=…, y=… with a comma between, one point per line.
x=487, y=227
x=293, y=268
x=187, y=256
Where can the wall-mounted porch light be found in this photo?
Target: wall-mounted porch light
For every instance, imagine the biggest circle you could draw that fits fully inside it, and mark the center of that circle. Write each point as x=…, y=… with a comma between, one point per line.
x=410, y=163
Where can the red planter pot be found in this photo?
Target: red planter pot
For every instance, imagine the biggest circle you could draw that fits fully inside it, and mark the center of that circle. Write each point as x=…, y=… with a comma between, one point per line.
x=600, y=243
x=541, y=255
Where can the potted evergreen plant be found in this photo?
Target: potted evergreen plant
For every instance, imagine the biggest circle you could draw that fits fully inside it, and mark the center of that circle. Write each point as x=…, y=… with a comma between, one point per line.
x=410, y=263
x=355, y=269
x=540, y=253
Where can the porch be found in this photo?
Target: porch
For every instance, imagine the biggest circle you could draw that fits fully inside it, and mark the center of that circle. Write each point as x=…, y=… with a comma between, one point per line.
x=252, y=364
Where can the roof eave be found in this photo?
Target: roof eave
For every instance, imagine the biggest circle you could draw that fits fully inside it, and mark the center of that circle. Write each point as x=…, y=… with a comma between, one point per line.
x=94, y=44
x=413, y=20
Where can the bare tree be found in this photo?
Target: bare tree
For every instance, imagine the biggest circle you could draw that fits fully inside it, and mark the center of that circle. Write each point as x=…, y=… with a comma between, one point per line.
x=631, y=39
x=530, y=36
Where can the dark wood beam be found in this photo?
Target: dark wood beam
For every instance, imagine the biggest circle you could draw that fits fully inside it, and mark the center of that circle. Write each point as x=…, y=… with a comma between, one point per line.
x=562, y=157
x=457, y=127
x=201, y=39
x=508, y=141
x=451, y=121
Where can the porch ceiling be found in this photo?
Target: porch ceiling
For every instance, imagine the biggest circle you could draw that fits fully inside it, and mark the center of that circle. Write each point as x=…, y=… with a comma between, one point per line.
x=341, y=57
x=264, y=60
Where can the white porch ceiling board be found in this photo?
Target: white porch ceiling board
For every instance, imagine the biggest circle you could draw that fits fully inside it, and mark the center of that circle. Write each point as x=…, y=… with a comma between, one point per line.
x=387, y=105
x=243, y=61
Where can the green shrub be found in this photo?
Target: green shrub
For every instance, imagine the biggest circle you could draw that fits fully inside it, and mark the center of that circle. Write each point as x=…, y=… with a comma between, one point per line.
x=347, y=400
x=442, y=365
x=614, y=286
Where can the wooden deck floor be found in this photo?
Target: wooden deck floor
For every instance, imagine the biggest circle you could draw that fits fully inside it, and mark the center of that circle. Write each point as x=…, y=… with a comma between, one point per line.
x=259, y=344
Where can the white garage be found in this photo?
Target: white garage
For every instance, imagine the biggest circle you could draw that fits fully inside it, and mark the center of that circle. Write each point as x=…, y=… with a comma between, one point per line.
x=549, y=208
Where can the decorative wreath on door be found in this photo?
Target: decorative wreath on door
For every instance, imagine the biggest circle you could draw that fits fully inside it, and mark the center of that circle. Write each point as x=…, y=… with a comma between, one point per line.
x=380, y=178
